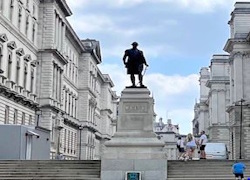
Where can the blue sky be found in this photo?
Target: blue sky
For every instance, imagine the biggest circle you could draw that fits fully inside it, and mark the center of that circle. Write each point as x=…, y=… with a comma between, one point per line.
x=178, y=37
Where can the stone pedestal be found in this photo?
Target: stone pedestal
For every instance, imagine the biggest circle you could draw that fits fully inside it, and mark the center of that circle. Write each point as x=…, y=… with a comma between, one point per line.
x=134, y=147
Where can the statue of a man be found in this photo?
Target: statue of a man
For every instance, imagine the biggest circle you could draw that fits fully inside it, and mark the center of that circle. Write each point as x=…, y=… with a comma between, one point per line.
x=134, y=61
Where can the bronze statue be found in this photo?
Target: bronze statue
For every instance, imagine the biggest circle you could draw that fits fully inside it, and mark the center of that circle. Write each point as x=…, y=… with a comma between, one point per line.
x=134, y=63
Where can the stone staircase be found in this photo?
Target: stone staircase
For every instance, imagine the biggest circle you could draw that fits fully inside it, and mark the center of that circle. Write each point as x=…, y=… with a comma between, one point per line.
x=51, y=169
x=204, y=170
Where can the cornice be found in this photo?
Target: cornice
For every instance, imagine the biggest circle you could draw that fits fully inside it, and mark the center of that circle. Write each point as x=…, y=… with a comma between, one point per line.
x=210, y=82
x=56, y=53
x=232, y=41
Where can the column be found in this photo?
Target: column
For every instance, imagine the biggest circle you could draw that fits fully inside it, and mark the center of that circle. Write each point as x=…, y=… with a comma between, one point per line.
x=54, y=80
x=59, y=34
x=62, y=36
x=56, y=29
x=58, y=83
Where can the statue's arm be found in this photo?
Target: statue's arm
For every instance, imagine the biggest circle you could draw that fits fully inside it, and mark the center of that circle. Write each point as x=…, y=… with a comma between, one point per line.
x=124, y=57
x=143, y=58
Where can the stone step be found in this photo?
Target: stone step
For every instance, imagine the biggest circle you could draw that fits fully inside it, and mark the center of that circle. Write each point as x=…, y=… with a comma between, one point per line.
x=216, y=178
x=50, y=178
x=49, y=162
x=85, y=170
x=49, y=170
x=49, y=173
x=203, y=170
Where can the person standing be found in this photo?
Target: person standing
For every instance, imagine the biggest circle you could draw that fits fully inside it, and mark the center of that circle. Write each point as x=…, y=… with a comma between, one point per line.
x=202, y=143
x=180, y=147
x=134, y=60
x=238, y=170
x=190, y=145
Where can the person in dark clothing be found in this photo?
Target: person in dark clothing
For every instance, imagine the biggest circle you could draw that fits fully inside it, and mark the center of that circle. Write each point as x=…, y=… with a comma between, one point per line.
x=134, y=60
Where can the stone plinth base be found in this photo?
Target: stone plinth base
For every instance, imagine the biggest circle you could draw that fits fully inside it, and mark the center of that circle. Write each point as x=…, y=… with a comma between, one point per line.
x=151, y=169
x=134, y=147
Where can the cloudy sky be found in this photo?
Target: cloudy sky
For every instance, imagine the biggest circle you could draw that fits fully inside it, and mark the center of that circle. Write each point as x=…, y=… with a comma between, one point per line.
x=178, y=37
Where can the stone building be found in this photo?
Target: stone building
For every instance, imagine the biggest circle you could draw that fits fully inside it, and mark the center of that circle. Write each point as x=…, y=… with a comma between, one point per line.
x=50, y=78
x=169, y=134
x=228, y=98
x=210, y=112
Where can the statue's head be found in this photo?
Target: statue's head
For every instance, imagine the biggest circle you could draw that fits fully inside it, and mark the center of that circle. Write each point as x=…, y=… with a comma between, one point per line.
x=134, y=44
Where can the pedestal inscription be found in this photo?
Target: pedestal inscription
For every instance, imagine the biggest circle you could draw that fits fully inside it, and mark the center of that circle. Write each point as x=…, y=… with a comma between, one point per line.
x=131, y=107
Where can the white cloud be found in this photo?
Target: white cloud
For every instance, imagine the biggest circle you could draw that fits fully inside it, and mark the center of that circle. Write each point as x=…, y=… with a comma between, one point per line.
x=196, y=6
x=163, y=88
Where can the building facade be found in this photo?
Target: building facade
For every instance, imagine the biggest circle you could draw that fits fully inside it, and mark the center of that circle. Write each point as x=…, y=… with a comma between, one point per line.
x=50, y=78
x=228, y=98
x=168, y=133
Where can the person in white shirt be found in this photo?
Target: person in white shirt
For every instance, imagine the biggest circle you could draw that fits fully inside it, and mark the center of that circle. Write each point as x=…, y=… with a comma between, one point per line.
x=203, y=142
x=180, y=146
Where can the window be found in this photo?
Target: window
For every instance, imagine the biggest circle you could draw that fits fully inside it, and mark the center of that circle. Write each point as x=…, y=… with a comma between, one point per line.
x=68, y=141
x=11, y=9
x=33, y=31
x=75, y=107
x=34, y=10
x=53, y=130
x=1, y=54
x=32, y=80
x=30, y=120
x=75, y=144
x=72, y=140
x=76, y=76
x=1, y=5
x=9, y=64
x=25, y=75
x=15, y=116
x=23, y=118
x=27, y=4
x=17, y=70
x=65, y=101
x=6, y=115
x=19, y=16
x=69, y=104
x=65, y=140
x=27, y=24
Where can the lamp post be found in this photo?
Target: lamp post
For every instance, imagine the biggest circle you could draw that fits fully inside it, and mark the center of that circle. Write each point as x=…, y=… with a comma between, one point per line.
x=241, y=119
x=80, y=143
x=38, y=113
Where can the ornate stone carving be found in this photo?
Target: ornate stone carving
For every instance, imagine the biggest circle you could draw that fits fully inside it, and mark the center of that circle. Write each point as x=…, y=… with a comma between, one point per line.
x=11, y=45
x=3, y=38
x=20, y=52
x=27, y=57
x=34, y=63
